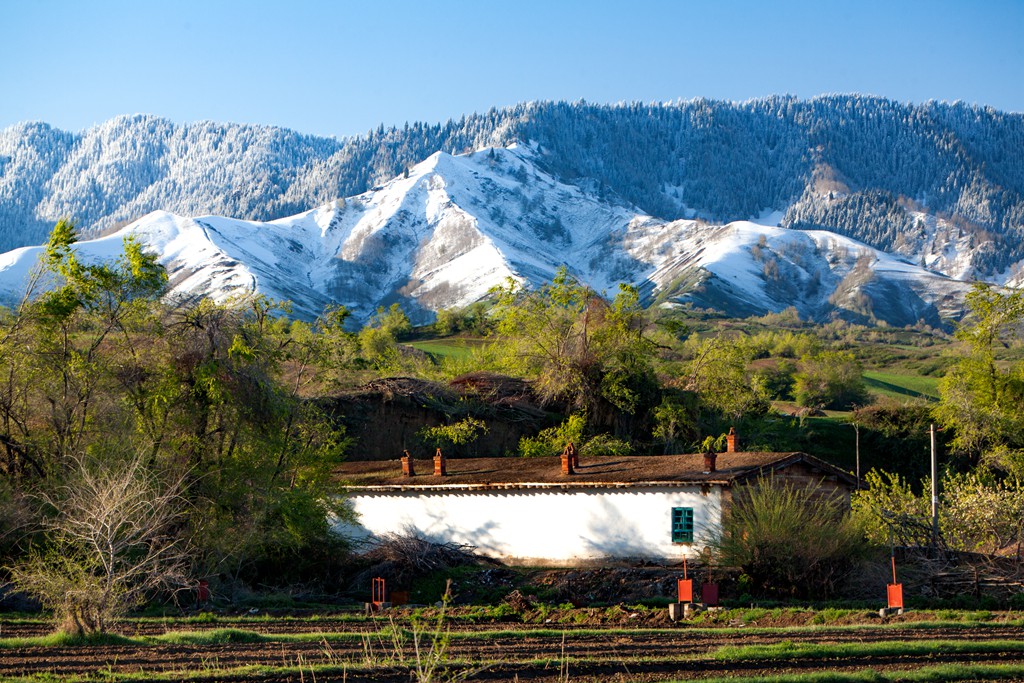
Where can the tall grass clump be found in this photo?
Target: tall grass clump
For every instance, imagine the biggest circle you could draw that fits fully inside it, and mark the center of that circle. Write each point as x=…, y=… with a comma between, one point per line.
x=789, y=541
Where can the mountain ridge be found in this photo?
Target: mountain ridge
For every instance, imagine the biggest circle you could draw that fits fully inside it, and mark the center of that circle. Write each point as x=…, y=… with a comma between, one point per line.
x=850, y=164
x=447, y=230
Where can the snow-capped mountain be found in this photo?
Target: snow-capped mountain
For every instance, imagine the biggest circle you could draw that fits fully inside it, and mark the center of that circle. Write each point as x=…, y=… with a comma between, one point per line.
x=450, y=228
x=939, y=184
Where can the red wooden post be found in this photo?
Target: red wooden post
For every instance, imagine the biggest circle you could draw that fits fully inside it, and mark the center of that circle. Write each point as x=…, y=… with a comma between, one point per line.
x=377, y=595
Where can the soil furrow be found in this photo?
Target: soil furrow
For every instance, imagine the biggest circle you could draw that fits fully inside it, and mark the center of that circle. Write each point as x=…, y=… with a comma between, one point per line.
x=642, y=653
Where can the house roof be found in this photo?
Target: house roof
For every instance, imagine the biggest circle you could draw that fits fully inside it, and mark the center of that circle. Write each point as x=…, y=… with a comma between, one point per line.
x=592, y=472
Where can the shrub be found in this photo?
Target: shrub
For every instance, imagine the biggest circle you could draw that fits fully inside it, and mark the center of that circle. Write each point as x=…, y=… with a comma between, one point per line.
x=605, y=444
x=831, y=379
x=551, y=441
x=110, y=545
x=675, y=421
x=790, y=541
x=890, y=512
x=458, y=433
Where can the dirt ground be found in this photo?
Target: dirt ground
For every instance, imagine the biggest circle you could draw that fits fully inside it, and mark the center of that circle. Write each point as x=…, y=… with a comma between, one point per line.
x=532, y=652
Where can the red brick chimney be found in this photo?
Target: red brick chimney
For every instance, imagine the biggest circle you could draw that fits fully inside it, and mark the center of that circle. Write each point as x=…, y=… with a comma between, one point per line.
x=408, y=470
x=730, y=441
x=574, y=456
x=709, y=461
x=440, y=470
x=567, y=461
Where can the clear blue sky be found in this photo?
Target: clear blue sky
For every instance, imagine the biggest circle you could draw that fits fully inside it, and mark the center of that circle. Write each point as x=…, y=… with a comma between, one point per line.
x=341, y=67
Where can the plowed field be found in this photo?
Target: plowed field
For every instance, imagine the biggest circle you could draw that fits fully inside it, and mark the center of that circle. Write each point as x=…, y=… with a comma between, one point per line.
x=364, y=650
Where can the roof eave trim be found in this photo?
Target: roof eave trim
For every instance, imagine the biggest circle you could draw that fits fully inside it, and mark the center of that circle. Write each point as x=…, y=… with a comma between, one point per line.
x=554, y=486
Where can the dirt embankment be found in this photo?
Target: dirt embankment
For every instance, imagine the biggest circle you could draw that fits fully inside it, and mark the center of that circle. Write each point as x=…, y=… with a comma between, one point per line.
x=385, y=416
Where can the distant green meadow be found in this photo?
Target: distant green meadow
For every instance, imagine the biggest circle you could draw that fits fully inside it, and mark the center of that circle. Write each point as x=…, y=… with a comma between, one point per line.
x=456, y=348
x=901, y=386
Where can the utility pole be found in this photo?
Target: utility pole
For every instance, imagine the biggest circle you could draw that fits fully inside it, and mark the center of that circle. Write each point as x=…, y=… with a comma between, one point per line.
x=935, y=489
x=856, y=431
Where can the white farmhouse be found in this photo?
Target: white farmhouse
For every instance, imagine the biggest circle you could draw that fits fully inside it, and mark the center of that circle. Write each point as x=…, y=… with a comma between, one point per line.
x=560, y=511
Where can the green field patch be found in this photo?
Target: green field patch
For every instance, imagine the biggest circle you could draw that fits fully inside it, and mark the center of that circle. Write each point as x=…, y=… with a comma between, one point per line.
x=901, y=386
x=456, y=348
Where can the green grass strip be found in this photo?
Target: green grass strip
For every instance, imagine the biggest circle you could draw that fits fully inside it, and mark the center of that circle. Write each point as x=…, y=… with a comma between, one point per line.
x=249, y=672
x=939, y=673
x=61, y=639
x=217, y=636
x=745, y=615
x=213, y=618
x=790, y=650
x=935, y=673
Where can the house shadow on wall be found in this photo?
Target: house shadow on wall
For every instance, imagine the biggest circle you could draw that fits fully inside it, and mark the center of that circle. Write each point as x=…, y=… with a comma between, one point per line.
x=610, y=534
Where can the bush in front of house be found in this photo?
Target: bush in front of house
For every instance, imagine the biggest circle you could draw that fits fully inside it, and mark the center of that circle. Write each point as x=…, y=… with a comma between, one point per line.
x=794, y=542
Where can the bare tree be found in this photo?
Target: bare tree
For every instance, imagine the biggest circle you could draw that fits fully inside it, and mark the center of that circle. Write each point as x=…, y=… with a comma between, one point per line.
x=111, y=542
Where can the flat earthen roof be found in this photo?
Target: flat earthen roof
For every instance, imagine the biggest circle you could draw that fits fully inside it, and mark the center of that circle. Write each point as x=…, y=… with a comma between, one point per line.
x=592, y=472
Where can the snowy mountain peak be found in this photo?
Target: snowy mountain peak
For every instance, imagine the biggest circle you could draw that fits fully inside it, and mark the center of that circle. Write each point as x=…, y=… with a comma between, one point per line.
x=449, y=229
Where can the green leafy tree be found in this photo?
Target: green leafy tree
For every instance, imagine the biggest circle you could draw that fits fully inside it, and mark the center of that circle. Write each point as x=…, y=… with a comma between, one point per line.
x=260, y=456
x=578, y=347
x=718, y=373
x=213, y=394
x=977, y=512
x=378, y=340
x=980, y=397
x=392, y=320
x=982, y=514
x=61, y=347
x=447, y=322
x=674, y=423
x=830, y=379
x=889, y=512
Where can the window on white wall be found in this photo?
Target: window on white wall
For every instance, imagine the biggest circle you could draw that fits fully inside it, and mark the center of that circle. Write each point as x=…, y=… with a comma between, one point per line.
x=682, y=525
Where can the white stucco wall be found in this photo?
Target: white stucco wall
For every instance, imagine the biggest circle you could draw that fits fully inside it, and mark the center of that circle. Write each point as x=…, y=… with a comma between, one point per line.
x=537, y=526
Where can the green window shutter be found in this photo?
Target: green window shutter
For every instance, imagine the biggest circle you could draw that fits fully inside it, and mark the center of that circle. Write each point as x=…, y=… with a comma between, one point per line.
x=682, y=525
